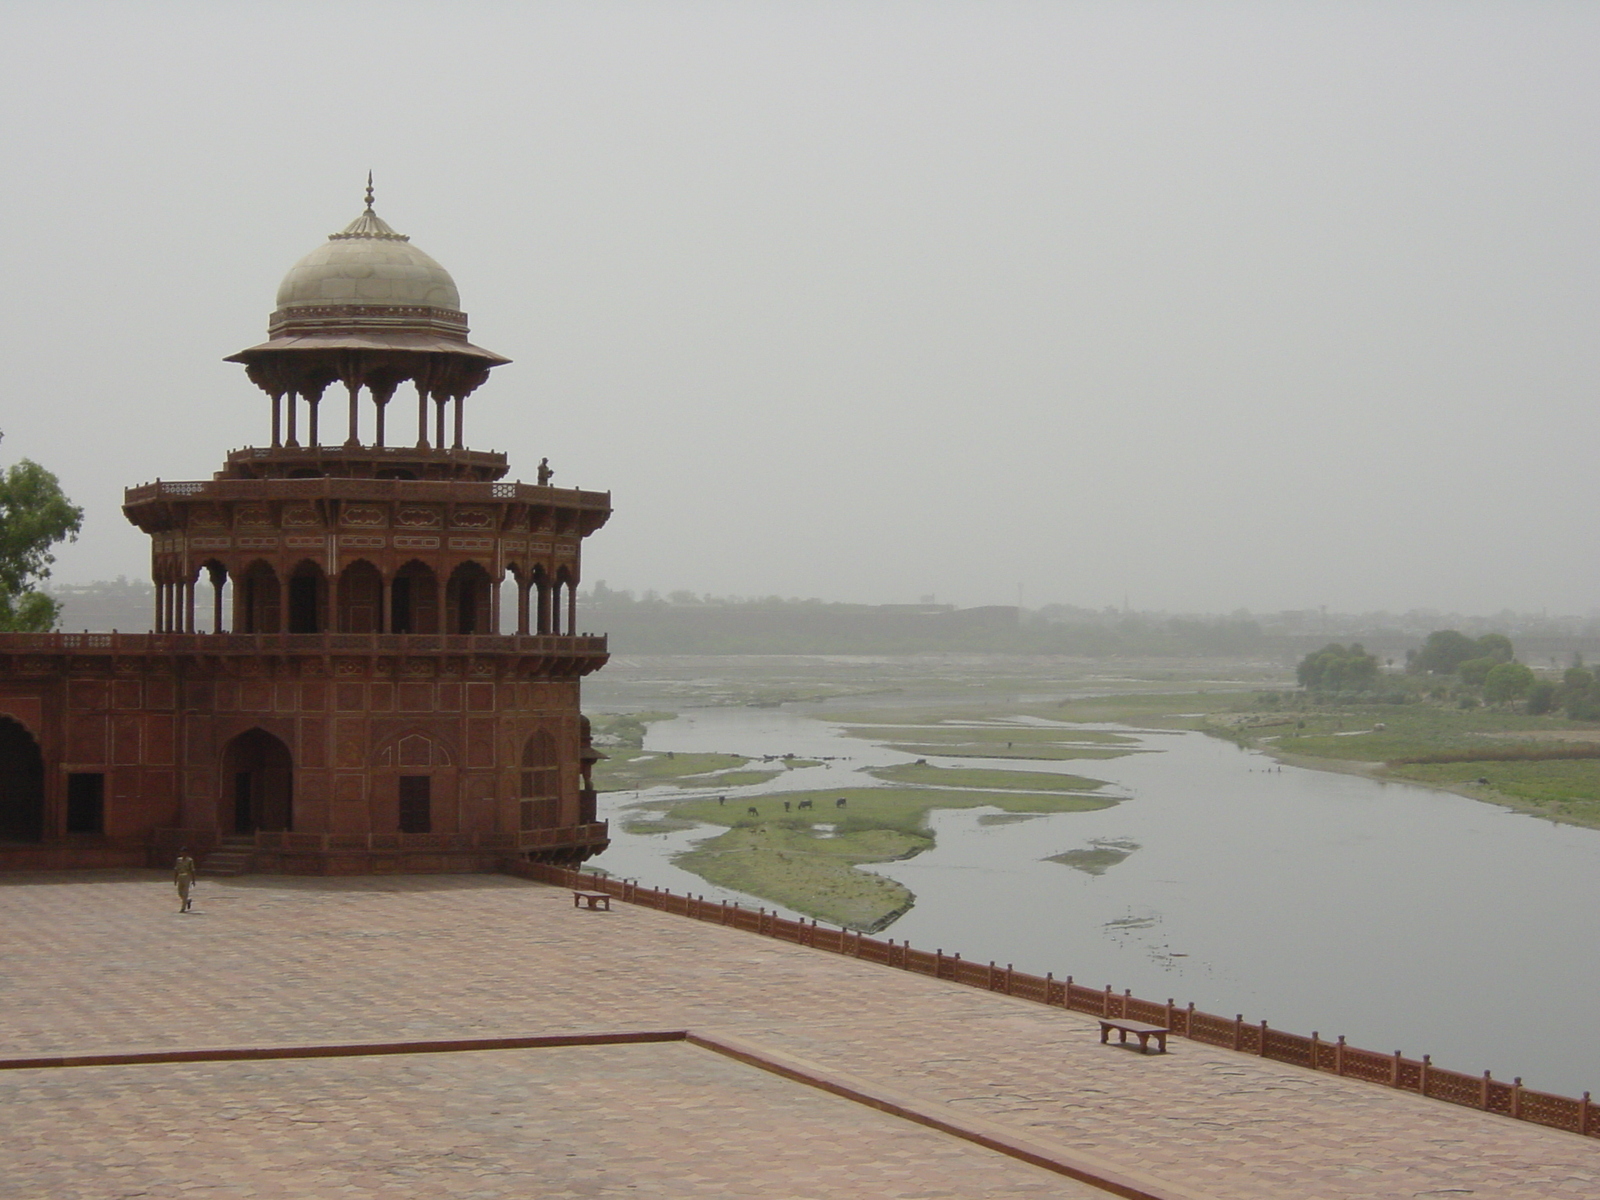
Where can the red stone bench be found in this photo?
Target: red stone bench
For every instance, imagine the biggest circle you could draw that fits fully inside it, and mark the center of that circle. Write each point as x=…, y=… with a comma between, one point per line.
x=1139, y=1029
x=593, y=899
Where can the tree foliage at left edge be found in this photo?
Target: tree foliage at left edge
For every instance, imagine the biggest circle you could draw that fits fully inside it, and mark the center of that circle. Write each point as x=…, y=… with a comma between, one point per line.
x=34, y=516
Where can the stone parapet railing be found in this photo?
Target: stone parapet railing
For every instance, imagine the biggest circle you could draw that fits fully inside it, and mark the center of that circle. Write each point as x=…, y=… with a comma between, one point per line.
x=255, y=644
x=336, y=488
x=1233, y=1033
x=528, y=839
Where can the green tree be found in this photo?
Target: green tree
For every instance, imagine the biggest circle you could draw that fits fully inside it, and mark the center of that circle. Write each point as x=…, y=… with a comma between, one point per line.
x=1578, y=699
x=1337, y=668
x=1475, y=670
x=1508, y=681
x=1542, y=697
x=34, y=516
x=1442, y=653
x=1496, y=646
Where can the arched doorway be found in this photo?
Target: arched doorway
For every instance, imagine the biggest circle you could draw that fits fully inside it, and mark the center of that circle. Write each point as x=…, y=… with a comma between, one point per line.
x=360, y=598
x=308, y=599
x=258, y=784
x=21, y=784
x=467, y=599
x=414, y=600
x=256, y=601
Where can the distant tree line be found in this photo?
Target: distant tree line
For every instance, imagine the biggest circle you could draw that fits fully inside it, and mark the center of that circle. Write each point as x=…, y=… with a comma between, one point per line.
x=1478, y=670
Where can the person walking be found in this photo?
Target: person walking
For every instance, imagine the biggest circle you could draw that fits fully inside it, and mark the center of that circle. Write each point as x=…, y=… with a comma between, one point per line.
x=183, y=875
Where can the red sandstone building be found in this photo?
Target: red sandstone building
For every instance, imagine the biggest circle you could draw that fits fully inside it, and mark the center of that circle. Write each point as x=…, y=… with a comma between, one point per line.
x=364, y=709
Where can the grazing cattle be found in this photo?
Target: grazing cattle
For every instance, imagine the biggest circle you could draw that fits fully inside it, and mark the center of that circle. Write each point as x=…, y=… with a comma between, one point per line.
x=785, y=806
x=805, y=804
x=722, y=799
x=754, y=811
x=839, y=803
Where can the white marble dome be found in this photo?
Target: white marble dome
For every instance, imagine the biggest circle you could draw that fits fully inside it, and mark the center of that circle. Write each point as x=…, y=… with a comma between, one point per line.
x=368, y=263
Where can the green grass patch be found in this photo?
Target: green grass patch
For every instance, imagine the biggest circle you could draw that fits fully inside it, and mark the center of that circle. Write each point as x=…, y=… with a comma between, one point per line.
x=902, y=808
x=981, y=723
x=1410, y=731
x=625, y=771
x=995, y=741
x=978, y=777
x=1564, y=790
x=732, y=779
x=1037, y=751
x=1526, y=763
x=972, y=731
x=647, y=825
x=809, y=873
x=1175, y=710
x=782, y=856
x=1101, y=856
x=624, y=730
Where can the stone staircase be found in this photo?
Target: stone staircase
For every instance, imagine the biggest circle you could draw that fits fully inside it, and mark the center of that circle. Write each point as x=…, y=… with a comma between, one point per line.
x=232, y=856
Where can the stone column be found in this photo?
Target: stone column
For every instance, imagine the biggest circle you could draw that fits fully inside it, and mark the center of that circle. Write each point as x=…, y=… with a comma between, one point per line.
x=354, y=440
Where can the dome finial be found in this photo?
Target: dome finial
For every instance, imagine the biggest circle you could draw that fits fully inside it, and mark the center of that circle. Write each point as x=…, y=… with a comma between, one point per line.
x=369, y=191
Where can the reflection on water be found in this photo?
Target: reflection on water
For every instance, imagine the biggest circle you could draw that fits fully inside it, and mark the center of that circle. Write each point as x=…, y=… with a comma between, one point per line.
x=1401, y=917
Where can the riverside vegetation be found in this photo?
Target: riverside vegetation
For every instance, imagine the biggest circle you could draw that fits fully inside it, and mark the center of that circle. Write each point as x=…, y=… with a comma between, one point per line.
x=1425, y=727
x=807, y=858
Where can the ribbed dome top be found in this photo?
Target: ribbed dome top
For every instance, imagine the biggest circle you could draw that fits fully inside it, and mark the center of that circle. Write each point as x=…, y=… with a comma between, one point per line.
x=368, y=263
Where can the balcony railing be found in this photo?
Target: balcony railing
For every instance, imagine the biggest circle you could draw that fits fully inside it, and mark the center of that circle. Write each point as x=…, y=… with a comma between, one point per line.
x=531, y=839
x=212, y=644
x=334, y=488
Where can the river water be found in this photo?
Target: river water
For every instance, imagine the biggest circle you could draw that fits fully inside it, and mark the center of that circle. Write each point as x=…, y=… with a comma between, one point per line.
x=1401, y=917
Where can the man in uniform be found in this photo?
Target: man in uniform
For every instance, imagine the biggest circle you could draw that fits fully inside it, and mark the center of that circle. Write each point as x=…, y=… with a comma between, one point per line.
x=183, y=876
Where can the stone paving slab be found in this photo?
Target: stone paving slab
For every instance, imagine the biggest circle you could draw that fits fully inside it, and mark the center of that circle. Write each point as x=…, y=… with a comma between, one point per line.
x=663, y=1120
x=98, y=960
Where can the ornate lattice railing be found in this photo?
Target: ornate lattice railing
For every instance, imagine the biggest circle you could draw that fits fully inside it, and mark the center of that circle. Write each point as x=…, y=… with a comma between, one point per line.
x=1234, y=1033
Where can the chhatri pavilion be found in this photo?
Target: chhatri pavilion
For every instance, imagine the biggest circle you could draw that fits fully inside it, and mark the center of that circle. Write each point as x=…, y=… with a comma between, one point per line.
x=359, y=703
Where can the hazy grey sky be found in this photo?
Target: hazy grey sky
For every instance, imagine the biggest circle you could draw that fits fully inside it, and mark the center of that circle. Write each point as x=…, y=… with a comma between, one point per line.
x=1270, y=305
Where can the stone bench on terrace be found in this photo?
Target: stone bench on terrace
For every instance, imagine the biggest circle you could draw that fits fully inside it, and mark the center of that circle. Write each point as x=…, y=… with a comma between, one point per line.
x=1139, y=1029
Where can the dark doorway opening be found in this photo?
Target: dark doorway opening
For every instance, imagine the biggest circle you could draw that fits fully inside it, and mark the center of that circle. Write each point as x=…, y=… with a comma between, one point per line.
x=416, y=804
x=400, y=602
x=21, y=784
x=467, y=598
x=260, y=773
x=303, y=605
x=360, y=599
x=86, y=802
x=414, y=600
x=257, y=601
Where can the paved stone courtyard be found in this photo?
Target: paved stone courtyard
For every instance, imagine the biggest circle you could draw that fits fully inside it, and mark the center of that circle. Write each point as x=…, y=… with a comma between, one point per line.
x=99, y=961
